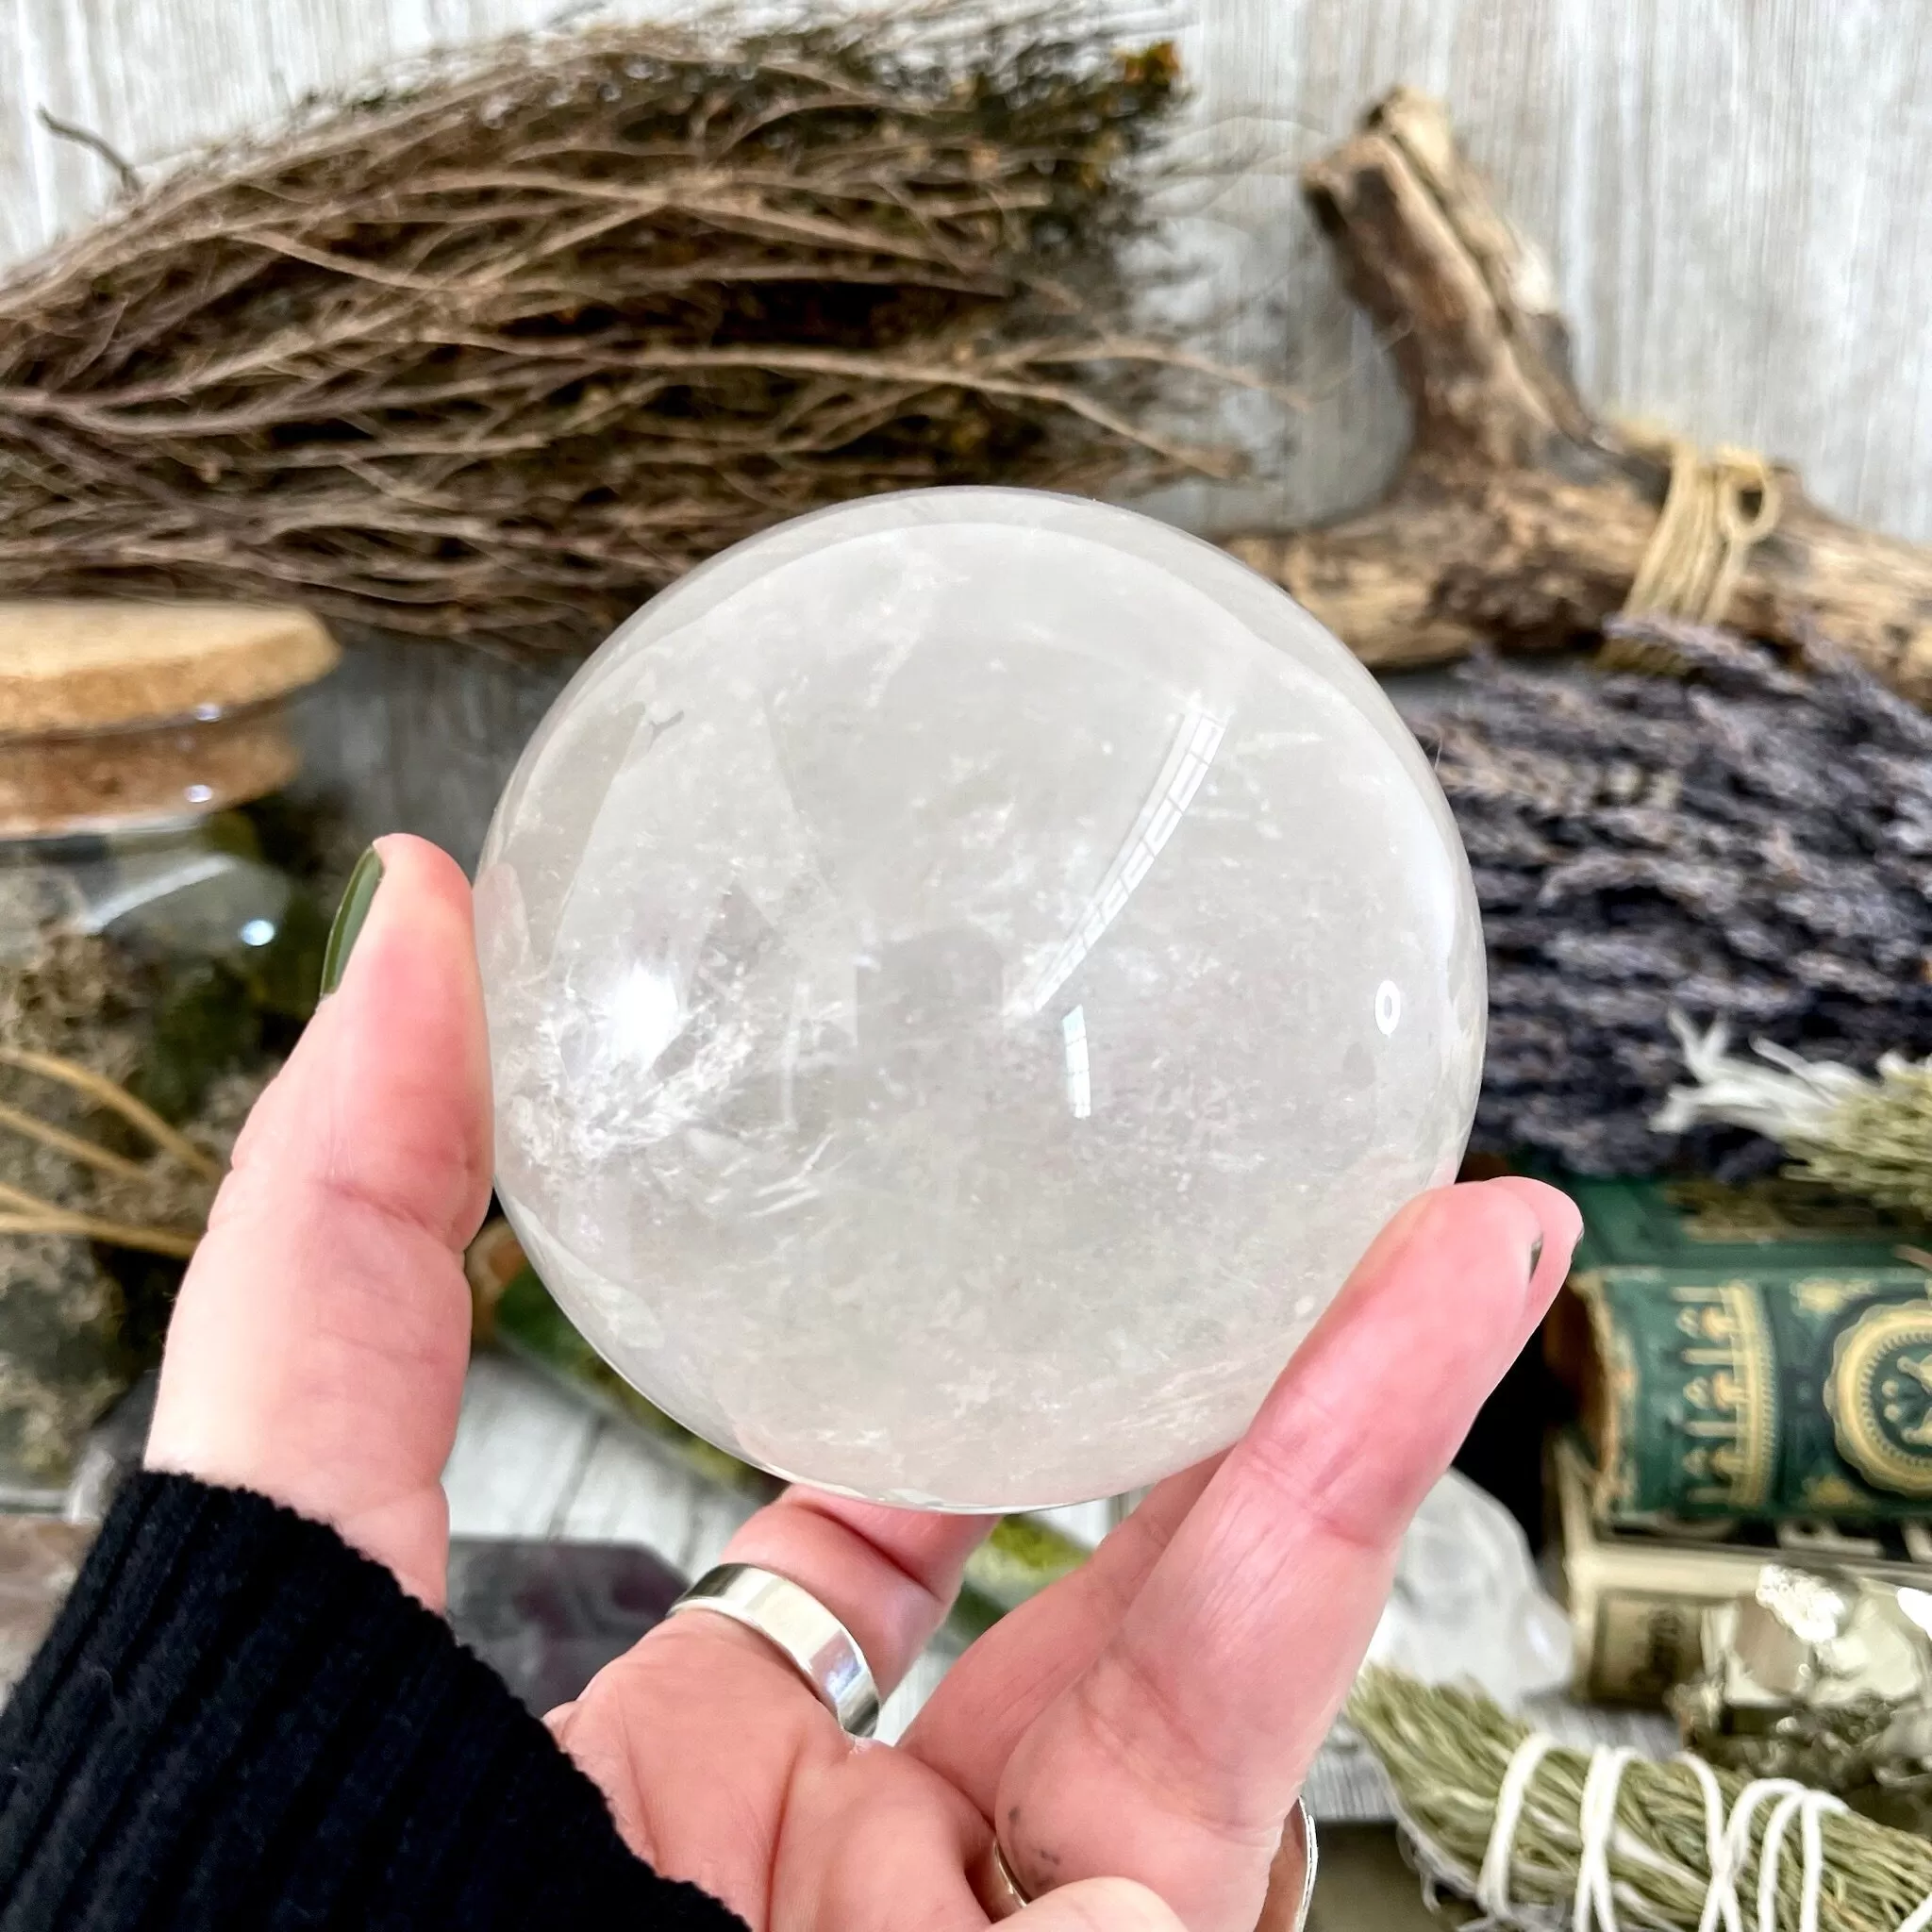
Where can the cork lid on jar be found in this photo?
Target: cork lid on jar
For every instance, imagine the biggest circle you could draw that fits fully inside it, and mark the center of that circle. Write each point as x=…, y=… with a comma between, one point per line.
x=75, y=667
x=116, y=715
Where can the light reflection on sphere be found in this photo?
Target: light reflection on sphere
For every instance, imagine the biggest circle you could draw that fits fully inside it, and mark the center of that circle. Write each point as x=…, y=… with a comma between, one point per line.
x=969, y=972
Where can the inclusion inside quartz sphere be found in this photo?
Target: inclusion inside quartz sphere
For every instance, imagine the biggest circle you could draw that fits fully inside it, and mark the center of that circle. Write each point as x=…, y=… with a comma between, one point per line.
x=969, y=972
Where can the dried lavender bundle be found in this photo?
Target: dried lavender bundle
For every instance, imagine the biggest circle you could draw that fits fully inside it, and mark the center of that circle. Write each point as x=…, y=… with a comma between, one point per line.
x=1750, y=842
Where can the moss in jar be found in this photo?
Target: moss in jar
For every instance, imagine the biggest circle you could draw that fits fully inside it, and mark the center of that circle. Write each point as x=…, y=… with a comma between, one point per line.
x=194, y=1033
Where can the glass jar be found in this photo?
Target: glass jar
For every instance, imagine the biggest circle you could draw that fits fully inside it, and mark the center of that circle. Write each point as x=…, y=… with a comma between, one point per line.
x=159, y=947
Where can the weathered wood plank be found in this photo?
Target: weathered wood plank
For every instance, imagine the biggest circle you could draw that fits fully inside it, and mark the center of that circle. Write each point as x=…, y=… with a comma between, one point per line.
x=630, y=1492
x=519, y=1451
x=530, y=1460
x=1741, y=249
x=1731, y=195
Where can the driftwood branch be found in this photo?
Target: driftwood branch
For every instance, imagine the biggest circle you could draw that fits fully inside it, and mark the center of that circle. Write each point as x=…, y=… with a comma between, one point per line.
x=1518, y=517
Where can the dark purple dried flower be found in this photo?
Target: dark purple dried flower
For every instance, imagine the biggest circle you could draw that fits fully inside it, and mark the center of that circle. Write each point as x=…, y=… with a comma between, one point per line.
x=1749, y=840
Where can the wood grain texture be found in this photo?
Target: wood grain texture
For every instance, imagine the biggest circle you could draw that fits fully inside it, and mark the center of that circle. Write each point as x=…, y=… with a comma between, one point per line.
x=1725, y=195
x=519, y=1454
x=1731, y=195
x=1519, y=517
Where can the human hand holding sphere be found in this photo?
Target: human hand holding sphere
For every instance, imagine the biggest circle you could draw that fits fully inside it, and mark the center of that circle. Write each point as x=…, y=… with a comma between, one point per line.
x=1145, y=1723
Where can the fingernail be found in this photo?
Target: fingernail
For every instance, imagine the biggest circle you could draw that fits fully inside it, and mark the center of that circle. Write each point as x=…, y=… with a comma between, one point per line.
x=357, y=898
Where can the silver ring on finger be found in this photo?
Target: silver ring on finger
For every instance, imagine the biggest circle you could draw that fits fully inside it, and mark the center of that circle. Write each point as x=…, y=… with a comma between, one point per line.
x=800, y=1629
x=1311, y=1857
x=1001, y=1895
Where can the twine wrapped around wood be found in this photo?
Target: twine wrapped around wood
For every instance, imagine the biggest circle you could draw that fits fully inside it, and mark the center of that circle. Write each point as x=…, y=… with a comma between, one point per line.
x=497, y=350
x=1716, y=507
x=1521, y=518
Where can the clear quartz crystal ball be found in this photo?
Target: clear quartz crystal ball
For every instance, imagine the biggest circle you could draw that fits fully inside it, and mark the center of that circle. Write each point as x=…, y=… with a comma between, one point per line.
x=969, y=972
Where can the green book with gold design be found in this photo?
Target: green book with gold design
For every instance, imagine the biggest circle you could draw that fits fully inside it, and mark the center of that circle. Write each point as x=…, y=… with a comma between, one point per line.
x=1759, y=1352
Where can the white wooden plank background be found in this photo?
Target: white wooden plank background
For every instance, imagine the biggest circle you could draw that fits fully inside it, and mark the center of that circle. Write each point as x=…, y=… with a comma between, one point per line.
x=1733, y=193
x=532, y=1459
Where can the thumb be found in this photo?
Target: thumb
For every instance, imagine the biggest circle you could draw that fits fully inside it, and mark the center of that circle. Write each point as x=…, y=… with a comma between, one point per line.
x=1099, y=1905
x=317, y=1350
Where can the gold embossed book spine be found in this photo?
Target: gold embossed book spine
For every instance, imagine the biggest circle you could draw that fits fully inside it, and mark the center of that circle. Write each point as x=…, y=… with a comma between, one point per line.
x=1744, y=1360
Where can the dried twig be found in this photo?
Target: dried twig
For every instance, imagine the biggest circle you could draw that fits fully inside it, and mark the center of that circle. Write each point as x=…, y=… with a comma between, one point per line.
x=36, y=1216
x=110, y=1093
x=75, y=1146
x=33, y=1214
x=1520, y=517
x=94, y=143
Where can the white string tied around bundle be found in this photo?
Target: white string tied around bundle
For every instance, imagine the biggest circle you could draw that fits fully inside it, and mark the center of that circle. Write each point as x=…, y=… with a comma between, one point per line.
x=1727, y=1844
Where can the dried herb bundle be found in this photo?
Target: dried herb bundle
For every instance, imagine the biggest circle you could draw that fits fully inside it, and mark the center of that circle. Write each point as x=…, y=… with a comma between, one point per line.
x=1750, y=842
x=1447, y=1751
x=1862, y=1136
x=498, y=352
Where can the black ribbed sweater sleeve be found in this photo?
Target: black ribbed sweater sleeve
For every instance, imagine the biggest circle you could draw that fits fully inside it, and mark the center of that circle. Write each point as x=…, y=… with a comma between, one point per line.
x=237, y=1722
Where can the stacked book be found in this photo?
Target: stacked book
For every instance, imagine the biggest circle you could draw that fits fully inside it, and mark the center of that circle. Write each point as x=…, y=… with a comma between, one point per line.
x=1753, y=1368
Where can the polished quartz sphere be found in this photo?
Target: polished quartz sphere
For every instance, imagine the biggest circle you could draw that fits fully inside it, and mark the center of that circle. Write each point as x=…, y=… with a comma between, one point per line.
x=968, y=972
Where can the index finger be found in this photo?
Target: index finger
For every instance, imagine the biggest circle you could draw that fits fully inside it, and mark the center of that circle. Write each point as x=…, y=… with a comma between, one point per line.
x=1175, y=1755
x=317, y=1347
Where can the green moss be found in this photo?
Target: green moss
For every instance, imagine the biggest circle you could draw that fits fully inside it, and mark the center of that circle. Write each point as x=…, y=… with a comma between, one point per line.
x=204, y=1024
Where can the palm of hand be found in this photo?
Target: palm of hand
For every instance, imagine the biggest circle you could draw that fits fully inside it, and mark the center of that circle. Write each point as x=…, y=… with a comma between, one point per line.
x=1148, y=1719
x=821, y=1832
